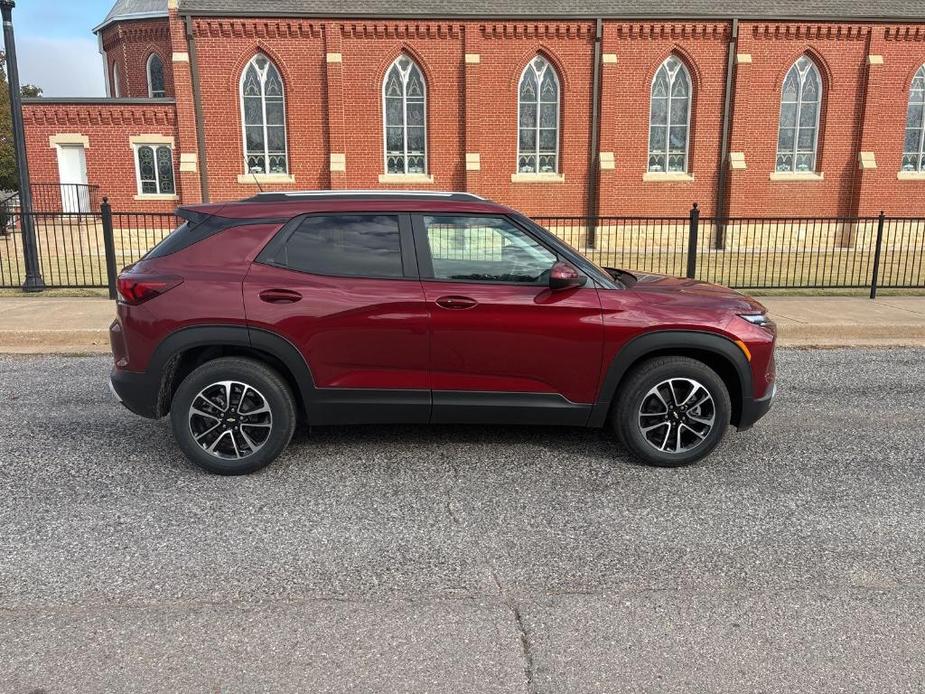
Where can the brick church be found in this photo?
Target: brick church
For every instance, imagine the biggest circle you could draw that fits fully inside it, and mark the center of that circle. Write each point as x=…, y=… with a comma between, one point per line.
x=764, y=107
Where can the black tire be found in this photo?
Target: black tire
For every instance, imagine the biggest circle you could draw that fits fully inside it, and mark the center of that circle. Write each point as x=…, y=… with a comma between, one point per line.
x=636, y=389
x=269, y=386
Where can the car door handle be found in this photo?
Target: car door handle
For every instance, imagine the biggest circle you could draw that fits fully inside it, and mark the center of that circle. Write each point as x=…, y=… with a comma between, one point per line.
x=280, y=296
x=456, y=302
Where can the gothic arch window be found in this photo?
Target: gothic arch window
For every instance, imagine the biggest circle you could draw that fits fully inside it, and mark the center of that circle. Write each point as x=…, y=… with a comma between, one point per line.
x=669, y=117
x=914, y=148
x=538, y=113
x=800, y=105
x=263, y=115
x=404, y=105
x=155, y=69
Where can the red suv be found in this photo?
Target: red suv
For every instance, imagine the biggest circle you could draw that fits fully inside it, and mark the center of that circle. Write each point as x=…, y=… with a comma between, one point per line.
x=371, y=307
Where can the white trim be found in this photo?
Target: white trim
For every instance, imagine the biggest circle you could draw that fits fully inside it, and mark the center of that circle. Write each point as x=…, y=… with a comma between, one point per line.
x=338, y=162
x=151, y=81
x=406, y=179
x=254, y=179
x=128, y=18
x=154, y=145
x=263, y=103
x=539, y=102
x=792, y=176
x=911, y=176
x=608, y=161
x=537, y=178
x=180, y=57
x=116, y=80
x=473, y=58
x=68, y=139
x=404, y=100
x=668, y=124
x=151, y=139
x=667, y=177
x=609, y=59
x=334, y=57
x=151, y=197
x=799, y=107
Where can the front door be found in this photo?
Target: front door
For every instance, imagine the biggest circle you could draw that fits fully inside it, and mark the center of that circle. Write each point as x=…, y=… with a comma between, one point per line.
x=343, y=288
x=504, y=347
x=72, y=177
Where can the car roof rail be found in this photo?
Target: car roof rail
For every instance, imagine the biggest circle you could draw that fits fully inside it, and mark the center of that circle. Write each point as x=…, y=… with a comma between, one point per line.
x=360, y=194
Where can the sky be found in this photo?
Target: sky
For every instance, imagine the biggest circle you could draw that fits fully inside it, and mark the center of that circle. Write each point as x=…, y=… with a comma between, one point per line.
x=56, y=46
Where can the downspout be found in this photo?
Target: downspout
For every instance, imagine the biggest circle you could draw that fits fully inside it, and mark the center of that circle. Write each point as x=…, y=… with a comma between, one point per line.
x=593, y=163
x=721, y=208
x=197, y=108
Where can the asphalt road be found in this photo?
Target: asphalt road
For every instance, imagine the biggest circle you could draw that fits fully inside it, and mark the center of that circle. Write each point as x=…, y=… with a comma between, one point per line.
x=468, y=559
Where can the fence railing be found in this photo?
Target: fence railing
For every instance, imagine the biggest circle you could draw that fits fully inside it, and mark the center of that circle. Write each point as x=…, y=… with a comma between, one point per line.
x=81, y=250
x=757, y=253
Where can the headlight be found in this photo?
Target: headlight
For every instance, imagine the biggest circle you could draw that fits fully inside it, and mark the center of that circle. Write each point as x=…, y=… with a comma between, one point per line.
x=759, y=319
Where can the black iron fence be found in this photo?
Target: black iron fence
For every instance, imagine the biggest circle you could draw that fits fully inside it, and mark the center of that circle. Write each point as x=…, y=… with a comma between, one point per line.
x=79, y=250
x=758, y=253
x=84, y=249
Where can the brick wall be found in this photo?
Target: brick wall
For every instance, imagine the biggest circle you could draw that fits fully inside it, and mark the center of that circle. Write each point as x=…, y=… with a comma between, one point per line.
x=110, y=157
x=129, y=45
x=333, y=74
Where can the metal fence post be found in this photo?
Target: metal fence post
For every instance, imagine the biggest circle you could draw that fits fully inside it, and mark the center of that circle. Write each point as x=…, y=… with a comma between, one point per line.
x=109, y=244
x=875, y=276
x=692, y=241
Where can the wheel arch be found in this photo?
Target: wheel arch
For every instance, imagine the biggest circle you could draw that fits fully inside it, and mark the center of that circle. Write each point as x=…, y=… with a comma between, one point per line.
x=184, y=350
x=716, y=351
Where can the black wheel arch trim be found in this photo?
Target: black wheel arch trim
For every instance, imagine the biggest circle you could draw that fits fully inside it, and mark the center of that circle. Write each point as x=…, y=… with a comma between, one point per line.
x=653, y=342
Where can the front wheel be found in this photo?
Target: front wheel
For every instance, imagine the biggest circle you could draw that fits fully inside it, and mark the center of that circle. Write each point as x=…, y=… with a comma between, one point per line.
x=233, y=416
x=672, y=411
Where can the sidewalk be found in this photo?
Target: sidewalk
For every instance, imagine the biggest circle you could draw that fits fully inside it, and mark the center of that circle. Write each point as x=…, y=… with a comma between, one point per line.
x=39, y=325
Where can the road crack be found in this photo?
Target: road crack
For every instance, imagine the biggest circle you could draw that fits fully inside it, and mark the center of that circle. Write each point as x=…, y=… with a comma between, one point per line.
x=506, y=598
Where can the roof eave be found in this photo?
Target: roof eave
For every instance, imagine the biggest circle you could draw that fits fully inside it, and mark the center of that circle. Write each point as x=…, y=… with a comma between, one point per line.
x=129, y=18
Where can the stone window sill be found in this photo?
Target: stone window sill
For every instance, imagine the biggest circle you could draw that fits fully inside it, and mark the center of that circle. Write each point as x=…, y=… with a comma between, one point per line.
x=665, y=177
x=152, y=197
x=537, y=178
x=789, y=176
x=911, y=175
x=406, y=179
x=253, y=179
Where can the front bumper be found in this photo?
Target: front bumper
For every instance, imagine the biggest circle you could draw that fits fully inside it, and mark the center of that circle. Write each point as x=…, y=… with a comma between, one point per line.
x=753, y=410
x=135, y=391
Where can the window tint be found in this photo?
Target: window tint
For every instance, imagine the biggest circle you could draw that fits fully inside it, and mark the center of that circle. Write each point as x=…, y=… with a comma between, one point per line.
x=485, y=249
x=352, y=245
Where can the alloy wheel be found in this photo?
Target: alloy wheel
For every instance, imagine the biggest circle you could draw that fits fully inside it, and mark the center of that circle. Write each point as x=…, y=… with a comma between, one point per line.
x=677, y=415
x=230, y=420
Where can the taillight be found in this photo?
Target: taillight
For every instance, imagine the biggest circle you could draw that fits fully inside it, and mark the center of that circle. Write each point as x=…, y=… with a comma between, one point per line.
x=137, y=289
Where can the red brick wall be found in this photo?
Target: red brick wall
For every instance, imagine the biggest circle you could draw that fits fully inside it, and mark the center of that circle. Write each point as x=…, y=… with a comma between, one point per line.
x=110, y=157
x=130, y=44
x=640, y=50
x=472, y=107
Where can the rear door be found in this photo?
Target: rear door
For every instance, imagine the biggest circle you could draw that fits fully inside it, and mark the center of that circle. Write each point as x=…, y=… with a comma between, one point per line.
x=504, y=347
x=344, y=289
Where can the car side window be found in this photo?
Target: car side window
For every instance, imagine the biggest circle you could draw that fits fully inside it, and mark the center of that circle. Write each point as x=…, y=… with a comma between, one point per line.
x=345, y=245
x=485, y=249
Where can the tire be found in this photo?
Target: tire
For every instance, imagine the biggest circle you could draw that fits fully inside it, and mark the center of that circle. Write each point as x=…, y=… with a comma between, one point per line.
x=253, y=431
x=638, y=411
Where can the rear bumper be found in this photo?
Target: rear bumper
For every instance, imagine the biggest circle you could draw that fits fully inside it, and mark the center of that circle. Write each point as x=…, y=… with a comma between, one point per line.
x=753, y=410
x=135, y=391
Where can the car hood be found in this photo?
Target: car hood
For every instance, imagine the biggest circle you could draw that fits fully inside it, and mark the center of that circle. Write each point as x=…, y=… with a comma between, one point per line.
x=683, y=290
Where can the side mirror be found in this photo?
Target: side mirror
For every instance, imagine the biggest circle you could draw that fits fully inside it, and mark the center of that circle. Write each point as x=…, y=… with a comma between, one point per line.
x=565, y=276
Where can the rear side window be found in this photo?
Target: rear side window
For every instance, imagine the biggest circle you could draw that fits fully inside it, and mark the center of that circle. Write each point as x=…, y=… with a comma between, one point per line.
x=345, y=245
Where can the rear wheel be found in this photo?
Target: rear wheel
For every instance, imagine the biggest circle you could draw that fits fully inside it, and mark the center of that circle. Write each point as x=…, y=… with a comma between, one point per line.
x=672, y=411
x=233, y=416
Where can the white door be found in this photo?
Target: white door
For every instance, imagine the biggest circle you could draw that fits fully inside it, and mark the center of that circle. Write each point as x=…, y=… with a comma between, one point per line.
x=72, y=175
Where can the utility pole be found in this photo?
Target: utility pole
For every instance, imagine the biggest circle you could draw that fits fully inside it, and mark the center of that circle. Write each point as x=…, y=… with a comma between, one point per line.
x=34, y=281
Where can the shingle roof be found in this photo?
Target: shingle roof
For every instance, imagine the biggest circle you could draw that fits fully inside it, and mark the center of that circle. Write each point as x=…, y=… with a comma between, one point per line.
x=134, y=9
x=691, y=9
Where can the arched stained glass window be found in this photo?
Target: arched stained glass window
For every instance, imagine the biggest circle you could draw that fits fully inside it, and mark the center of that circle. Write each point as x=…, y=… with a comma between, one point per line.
x=538, y=108
x=669, y=117
x=263, y=113
x=800, y=104
x=156, y=77
x=914, y=148
x=404, y=96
